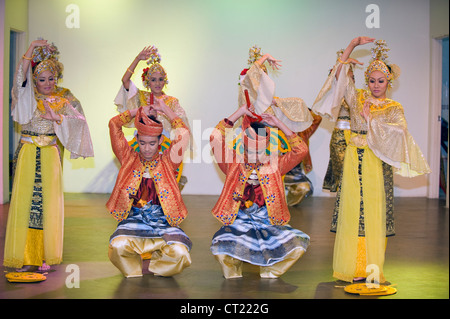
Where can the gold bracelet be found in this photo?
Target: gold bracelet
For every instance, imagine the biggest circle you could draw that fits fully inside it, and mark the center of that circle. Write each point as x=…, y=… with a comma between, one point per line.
x=27, y=58
x=346, y=62
x=128, y=69
x=61, y=119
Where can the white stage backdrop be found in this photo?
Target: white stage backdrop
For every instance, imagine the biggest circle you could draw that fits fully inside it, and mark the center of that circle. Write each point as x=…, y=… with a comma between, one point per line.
x=204, y=46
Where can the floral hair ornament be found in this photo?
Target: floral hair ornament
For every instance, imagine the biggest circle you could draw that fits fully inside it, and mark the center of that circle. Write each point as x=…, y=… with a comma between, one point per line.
x=379, y=57
x=45, y=58
x=155, y=66
x=254, y=53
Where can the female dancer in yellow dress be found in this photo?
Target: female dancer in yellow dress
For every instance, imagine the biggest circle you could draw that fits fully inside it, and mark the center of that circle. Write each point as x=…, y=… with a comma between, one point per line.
x=48, y=115
x=379, y=146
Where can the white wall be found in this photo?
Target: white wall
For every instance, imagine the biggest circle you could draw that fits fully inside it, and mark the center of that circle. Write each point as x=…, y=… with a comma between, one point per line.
x=204, y=46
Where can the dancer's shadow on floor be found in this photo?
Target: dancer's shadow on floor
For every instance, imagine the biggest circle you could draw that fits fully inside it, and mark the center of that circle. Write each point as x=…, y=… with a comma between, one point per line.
x=252, y=285
x=149, y=287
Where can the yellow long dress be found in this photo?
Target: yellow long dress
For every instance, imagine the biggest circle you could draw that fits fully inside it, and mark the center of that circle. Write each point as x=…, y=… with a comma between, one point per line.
x=361, y=210
x=35, y=225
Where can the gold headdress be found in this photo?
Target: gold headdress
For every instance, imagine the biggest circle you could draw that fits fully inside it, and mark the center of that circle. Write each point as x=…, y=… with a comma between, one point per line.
x=254, y=54
x=45, y=58
x=155, y=59
x=379, y=57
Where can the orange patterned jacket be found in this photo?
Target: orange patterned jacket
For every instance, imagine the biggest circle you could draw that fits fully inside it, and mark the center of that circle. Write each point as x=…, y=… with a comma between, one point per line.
x=269, y=174
x=162, y=168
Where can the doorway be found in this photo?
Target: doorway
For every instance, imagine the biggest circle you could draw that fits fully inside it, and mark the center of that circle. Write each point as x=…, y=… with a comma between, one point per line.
x=443, y=172
x=15, y=49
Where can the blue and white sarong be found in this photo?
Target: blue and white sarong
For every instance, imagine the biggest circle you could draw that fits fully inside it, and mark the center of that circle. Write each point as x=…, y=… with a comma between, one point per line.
x=150, y=222
x=253, y=239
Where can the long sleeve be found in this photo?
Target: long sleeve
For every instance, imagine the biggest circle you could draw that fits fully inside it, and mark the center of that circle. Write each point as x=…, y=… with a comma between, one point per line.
x=388, y=137
x=298, y=151
x=180, y=142
x=118, y=141
x=292, y=111
x=73, y=132
x=328, y=101
x=23, y=103
x=218, y=140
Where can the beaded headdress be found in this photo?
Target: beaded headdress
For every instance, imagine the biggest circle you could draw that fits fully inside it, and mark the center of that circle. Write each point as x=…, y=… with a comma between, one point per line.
x=155, y=66
x=254, y=54
x=45, y=58
x=379, y=57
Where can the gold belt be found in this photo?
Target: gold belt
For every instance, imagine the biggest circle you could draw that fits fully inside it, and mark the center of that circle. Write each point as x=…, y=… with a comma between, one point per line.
x=39, y=140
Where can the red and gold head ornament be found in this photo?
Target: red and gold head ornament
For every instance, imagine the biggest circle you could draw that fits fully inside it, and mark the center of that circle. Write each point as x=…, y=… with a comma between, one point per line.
x=45, y=58
x=155, y=66
x=145, y=125
x=379, y=57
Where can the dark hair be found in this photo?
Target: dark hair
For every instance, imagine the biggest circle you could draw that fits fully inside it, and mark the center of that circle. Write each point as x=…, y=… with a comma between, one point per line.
x=151, y=117
x=389, y=68
x=259, y=128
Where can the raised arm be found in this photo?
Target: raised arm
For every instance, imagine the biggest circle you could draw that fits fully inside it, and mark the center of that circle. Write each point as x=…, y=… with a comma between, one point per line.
x=27, y=57
x=299, y=149
x=218, y=139
x=274, y=63
x=352, y=45
x=143, y=55
x=274, y=121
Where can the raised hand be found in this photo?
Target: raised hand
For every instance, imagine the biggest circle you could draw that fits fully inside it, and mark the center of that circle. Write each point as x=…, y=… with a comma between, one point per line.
x=146, y=53
x=274, y=63
x=42, y=43
x=366, y=111
x=50, y=114
x=270, y=119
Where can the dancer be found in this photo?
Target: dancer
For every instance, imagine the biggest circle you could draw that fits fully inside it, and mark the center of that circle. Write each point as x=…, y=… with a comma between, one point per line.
x=259, y=89
x=379, y=146
x=154, y=79
x=252, y=205
x=146, y=199
x=292, y=111
x=48, y=114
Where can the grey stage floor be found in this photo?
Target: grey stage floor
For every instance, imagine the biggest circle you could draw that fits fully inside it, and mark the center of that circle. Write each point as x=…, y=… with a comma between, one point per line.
x=417, y=261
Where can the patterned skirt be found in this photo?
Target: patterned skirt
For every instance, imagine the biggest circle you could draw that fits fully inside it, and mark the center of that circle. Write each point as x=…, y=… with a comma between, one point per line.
x=253, y=239
x=388, y=177
x=150, y=222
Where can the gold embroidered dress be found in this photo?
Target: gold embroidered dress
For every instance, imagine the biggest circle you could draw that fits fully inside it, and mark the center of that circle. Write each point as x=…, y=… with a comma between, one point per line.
x=338, y=145
x=135, y=98
x=363, y=213
x=36, y=215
